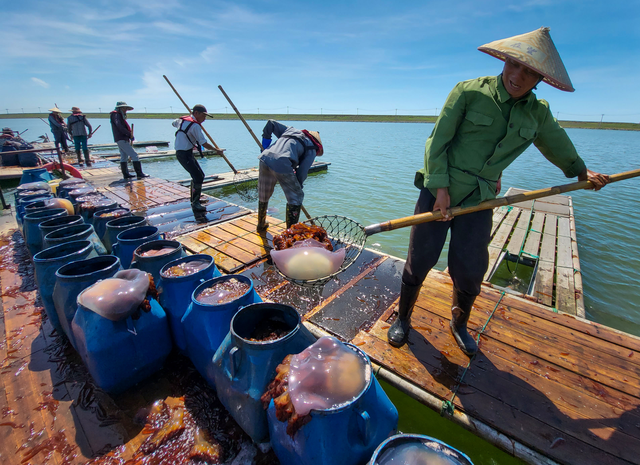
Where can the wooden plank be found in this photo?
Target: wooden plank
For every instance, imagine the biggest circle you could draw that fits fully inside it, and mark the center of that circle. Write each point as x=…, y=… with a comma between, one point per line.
x=532, y=245
x=565, y=290
x=548, y=249
x=500, y=238
x=415, y=366
x=564, y=254
x=498, y=215
x=191, y=244
x=516, y=242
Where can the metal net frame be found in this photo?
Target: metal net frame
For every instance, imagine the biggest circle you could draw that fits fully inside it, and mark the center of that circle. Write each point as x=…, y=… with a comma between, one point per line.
x=344, y=233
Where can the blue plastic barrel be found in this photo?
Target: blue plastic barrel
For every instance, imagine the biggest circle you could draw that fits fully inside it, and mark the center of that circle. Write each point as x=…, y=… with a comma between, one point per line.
x=31, y=231
x=35, y=175
x=117, y=225
x=75, y=277
x=22, y=203
x=101, y=218
x=347, y=435
x=152, y=265
x=205, y=326
x=452, y=455
x=77, y=232
x=47, y=262
x=173, y=290
x=130, y=239
x=242, y=369
x=80, y=192
x=120, y=354
x=87, y=211
x=57, y=223
x=68, y=185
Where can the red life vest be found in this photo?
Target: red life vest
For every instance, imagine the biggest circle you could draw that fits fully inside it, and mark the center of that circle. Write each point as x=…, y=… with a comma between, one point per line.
x=191, y=121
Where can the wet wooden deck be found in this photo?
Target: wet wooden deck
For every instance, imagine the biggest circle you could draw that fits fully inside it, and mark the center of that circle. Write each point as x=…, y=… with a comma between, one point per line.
x=552, y=387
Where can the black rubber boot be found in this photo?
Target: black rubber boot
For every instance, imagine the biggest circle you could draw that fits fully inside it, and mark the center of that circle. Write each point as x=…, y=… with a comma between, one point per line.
x=399, y=330
x=262, y=216
x=79, y=157
x=196, y=206
x=125, y=170
x=460, y=313
x=87, y=157
x=293, y=214
x=138, y=167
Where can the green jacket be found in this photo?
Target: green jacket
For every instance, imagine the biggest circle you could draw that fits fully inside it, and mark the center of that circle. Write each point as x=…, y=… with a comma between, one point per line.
x=472, y=142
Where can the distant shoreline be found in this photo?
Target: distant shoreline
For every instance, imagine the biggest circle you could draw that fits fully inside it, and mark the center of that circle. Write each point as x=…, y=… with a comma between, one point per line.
x=334, y=118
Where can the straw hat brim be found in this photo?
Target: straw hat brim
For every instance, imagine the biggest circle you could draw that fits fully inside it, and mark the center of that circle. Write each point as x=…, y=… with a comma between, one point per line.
x=316, y=136
x=55, y=110
x=535, y=50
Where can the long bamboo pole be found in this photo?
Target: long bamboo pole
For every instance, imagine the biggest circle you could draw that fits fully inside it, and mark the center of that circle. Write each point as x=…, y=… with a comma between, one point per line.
x=304, y=210
x=235, y=171
x=489, y=204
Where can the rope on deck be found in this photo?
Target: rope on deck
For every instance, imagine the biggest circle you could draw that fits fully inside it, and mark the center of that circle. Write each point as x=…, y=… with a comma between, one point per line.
x=448, y=405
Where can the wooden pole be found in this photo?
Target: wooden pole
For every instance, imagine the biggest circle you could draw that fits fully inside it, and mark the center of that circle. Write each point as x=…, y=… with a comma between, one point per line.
x=94, y=131
x=304, y=210
x=235, y=171
x=241, y=118
x=64, y=175
x=489, y=204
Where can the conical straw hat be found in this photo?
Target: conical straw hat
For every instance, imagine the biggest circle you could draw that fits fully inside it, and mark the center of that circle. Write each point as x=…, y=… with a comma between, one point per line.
x=536, y=50
x=55, y=110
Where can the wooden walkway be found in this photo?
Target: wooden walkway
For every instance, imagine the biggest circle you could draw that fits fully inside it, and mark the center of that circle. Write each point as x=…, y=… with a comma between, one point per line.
x=547, y=387
x=541, y=234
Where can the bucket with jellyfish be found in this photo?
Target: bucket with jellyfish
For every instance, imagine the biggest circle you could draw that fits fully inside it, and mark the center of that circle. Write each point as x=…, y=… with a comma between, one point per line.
x=178, y=279
x=153, y=255
x=32, y=186
x=325, y=406
x=102, y=216
x=67, y=185
x=22, y=203
x=130, y=239
x=76, y=232
x=121, y=331
x=88, y=208
x=75, y=277
x=119, y=224
x=31, y=230
x=47, y=262
x=417, y=449
x=207, y=319
x=58, y=223
x=260, y=336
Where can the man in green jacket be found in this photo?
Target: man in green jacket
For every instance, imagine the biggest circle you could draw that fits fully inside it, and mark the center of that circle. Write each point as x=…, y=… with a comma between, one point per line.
x=486, y=123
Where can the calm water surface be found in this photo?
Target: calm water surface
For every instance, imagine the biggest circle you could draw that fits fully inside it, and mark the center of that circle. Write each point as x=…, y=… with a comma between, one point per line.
x=371, y=180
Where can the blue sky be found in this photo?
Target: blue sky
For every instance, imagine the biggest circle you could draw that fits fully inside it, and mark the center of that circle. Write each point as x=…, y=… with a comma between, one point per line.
x=343, y=57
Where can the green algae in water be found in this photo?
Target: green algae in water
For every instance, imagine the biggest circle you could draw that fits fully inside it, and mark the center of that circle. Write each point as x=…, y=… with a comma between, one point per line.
x=512, y=275
x=416, y=418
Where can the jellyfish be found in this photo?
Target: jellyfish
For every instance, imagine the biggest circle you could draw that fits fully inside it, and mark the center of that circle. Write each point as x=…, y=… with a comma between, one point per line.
x=118, y=297
x=186, y=268
x=60, y=203
x=308, y=260
x=157, y=252
x=415, y=454
x=326, y=375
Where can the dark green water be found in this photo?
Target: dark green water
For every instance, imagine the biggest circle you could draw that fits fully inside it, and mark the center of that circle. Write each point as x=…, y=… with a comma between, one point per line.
x=371, y=180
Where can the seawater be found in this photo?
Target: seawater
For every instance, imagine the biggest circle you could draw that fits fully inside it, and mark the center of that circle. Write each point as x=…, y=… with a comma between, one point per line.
x=371, y=180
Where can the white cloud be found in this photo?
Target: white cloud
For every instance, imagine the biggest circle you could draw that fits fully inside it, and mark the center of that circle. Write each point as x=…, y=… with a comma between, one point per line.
x=40, y=82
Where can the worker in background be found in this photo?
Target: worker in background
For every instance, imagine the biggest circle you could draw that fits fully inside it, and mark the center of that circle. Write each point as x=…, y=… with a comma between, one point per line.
x=486, y=123
x=286, y=161
x=58, y=129
x=189, y=136
x=78, y=124
x=123, y=136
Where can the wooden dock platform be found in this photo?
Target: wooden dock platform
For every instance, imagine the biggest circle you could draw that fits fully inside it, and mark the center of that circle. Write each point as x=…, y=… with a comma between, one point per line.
x=547, y=387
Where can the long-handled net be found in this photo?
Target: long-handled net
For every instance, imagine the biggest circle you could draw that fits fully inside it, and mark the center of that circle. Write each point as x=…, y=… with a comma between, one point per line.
x=352, y=236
